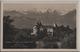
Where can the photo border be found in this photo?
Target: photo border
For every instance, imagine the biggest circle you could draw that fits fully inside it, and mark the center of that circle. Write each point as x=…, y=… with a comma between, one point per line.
x=2, y=3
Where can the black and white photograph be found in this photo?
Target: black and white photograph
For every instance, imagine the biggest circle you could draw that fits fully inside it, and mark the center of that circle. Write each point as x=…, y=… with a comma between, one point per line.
x=39, y=26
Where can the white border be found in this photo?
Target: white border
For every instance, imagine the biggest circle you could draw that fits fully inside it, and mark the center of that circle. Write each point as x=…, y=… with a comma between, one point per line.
x=1, y=24
x=78, y=47
x=78, y=26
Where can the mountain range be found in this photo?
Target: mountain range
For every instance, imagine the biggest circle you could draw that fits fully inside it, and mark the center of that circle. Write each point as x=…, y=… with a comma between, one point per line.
x=29, y=18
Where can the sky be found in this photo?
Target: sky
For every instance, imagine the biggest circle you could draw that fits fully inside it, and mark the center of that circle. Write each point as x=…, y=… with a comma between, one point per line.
x=39, y=7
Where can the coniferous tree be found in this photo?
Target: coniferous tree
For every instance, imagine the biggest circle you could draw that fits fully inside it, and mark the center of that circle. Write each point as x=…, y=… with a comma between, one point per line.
x=8, y=32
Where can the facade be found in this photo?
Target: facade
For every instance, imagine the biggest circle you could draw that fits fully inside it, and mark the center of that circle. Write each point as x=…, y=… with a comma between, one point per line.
x=40, y=28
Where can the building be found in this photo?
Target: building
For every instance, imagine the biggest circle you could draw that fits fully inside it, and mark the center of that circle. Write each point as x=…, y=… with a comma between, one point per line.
x=44, y=35
x=39, y=27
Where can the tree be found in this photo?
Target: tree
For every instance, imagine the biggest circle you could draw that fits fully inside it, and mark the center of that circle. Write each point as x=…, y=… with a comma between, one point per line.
x=69, y=40
x=7, y=28
x=8, y=32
